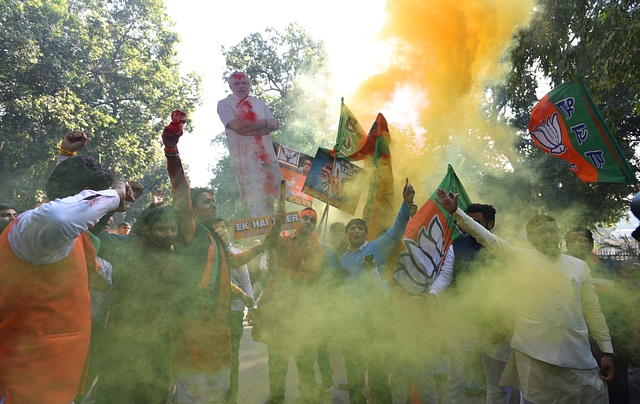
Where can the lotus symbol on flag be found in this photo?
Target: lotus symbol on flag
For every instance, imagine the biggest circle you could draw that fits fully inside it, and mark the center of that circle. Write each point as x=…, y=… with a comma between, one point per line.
x=421, y=262
x=549, y=135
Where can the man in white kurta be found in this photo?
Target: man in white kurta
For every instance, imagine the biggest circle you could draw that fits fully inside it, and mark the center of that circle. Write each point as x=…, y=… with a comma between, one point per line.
x=555, y=311
x=248, y=123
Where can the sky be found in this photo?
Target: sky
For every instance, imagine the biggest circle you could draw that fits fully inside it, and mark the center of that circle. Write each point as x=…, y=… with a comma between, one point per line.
x=205, y=26
x=451, y=49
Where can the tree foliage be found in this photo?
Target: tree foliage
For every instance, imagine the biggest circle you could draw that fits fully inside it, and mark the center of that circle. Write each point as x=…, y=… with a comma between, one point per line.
x=278, y=64
x=287, y=72
x=106, y=67
x=598, y=40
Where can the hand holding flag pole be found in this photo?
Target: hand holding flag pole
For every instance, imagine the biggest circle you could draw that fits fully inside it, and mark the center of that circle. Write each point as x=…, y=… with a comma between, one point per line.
x=273, y=236
x=283, y=195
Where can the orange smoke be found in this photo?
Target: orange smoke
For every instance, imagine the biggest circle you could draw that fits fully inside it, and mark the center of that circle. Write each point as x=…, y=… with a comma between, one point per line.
x=444, y=53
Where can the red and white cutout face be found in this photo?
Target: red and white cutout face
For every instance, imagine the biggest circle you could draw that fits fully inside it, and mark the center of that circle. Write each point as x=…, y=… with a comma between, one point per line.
x=240, y=84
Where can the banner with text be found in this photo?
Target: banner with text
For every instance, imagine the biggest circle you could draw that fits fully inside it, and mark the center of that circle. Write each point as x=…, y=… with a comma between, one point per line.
x=259, y=226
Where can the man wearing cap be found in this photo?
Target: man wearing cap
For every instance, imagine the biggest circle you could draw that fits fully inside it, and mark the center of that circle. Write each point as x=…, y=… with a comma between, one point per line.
x=248, y=124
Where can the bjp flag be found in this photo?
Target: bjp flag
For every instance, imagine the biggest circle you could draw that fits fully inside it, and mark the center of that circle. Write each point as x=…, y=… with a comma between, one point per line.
x=567, y=124
x=428, y=236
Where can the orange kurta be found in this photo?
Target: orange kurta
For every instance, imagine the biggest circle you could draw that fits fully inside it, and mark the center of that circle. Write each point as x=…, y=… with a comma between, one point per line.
x=45, y=324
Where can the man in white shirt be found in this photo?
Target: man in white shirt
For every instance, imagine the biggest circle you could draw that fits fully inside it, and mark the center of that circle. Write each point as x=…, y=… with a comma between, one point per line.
x=248, y=123
x=46, y=256
x=551, y=360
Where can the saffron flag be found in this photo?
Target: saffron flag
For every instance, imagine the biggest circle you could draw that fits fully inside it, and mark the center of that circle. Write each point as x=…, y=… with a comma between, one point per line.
x=380, y=199
x=351, y=139
x=567, y=124
x=428, y=236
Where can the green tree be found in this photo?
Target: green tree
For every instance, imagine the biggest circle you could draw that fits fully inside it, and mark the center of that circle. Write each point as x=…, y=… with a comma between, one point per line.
x=597, y=40
x=288, y=71
x=106, y=67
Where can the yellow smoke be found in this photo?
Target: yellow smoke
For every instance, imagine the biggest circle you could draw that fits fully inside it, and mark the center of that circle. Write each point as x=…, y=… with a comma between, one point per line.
x=444, y=54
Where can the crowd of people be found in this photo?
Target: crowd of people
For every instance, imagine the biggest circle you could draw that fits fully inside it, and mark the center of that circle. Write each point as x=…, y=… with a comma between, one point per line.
x=154, y=311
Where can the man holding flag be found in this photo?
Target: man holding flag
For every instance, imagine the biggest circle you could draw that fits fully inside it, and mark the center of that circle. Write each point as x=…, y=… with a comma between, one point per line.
x=551, y=360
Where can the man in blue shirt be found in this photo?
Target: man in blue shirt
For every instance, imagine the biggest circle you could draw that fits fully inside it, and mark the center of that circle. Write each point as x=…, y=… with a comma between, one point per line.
x=359, y=247
x=364, y=337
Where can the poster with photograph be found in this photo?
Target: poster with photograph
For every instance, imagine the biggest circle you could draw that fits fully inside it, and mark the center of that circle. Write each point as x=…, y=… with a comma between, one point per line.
x=294, y=166
x=337, y=182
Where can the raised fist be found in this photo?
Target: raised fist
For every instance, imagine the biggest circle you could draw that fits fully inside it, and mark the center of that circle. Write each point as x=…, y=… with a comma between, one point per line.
x=173, y=131
x=73, y=141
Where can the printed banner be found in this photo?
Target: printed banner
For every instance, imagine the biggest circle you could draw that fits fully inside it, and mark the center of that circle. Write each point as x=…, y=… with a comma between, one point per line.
x=295, y=167
x=335, y=181
x=260, y=226
x=567, y=124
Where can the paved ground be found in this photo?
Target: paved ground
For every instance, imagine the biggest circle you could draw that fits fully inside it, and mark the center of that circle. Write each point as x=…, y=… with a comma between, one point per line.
x=254, y=380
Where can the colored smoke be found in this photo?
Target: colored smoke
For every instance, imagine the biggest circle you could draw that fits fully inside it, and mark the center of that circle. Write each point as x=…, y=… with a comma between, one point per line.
x=432, y=90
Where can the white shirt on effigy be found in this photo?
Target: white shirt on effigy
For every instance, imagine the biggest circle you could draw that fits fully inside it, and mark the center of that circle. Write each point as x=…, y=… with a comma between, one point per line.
x=246, y=149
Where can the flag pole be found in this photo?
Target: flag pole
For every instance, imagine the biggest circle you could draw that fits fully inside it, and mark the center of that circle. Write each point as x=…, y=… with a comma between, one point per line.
x=325, y=215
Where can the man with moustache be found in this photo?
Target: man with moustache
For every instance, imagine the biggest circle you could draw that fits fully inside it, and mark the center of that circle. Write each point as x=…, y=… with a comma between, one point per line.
x=367, y=313
x=248, y=123
x=466, y=340
x=137, y=348
x=47, y=260
x=287, y=315
x=551, y=359
x=200, y=338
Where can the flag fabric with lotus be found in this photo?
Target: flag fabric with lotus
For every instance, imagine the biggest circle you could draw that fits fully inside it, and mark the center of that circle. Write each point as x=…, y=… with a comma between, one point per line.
x=380, y=201
x=428, y=236
x=567, y=124
x=351, y=139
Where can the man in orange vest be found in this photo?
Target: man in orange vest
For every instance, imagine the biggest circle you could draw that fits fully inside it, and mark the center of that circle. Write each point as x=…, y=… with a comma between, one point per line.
x=46, y=257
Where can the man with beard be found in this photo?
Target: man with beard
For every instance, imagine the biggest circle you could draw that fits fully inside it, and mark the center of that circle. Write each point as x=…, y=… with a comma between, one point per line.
x=287, y=317
x=47, y=258
x=248, y=123
x=467, y=340
x=137, y=348
x=201, y=338
x=551, y=359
